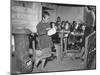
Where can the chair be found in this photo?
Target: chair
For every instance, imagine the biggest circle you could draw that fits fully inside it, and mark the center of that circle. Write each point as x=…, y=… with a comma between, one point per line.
x=90, y=47
x=37, y=54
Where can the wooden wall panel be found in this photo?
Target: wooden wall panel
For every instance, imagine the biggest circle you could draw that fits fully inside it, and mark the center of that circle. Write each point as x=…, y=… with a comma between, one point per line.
x=25, y=17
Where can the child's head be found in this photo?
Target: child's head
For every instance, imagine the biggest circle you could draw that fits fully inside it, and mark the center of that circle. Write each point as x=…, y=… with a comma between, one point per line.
x=62, y=23
x=52, y=24
x=66, y=25
x=45, y=17
x=83, y=27
x=58, y=19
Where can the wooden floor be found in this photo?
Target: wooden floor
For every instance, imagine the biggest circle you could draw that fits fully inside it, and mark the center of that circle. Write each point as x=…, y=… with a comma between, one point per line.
x=67, y=64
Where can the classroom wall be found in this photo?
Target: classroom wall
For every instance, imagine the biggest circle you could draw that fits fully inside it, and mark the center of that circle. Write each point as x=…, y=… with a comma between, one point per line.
x=28, y=15
x=70, y=13
x=25, y=15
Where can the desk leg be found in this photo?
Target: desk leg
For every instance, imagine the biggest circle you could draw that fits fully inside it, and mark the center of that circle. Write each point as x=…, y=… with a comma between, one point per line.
x=58, y=53
x=61, y=49
x=66, y=42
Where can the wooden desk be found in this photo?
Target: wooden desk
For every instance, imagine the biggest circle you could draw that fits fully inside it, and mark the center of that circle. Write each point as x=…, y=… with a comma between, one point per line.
x=63, y=42
x=65, y=38
x=77, y=34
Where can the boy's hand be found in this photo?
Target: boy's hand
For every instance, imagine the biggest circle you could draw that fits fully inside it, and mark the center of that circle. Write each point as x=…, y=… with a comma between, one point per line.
x=32, y=34
x=48, y=28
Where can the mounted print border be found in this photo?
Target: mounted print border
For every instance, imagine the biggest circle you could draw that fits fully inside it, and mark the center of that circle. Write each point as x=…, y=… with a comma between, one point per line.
x=52, y=37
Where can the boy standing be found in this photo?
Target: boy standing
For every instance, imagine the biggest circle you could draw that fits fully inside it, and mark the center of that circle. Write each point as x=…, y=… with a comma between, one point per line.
x=45, y=42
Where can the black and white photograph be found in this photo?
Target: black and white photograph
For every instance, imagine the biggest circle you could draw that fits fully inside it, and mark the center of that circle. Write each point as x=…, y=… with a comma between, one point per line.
x=52, y=37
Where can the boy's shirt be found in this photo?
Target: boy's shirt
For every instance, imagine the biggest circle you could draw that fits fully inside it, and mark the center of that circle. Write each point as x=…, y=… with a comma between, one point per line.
x=44, y=40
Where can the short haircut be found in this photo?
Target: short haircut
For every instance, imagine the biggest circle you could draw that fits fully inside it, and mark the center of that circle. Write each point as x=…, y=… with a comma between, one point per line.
x=44, y=13
x=51, y=24
x=89, y=8
x=58, y=17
